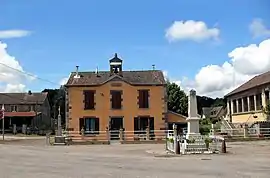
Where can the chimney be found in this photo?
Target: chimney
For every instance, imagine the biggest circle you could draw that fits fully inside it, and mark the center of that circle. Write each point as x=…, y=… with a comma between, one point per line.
x=77, y=72
x=97, y=71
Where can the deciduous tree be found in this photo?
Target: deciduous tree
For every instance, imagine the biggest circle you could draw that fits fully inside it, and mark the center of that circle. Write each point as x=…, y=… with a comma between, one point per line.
x=177, y=99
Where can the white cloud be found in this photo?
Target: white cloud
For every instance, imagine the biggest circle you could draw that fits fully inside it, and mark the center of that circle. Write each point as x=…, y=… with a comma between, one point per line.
x=245, y=62
x=256, y=58
x=165, y=74
x=258, y=28
x=12, y=75
x=15, y=88
x=63, y=81
x=13, y=33
x=191, y=30
x=178, y=82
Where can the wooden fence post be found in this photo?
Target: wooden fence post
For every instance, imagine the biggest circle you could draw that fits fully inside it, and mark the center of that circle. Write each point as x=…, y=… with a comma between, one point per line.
x=108, y=133
x=121, y=134
x=175, y=138
x=147, y=133
x=245, y=131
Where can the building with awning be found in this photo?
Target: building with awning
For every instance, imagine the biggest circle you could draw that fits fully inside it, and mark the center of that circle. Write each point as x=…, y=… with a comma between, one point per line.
x=25, y=110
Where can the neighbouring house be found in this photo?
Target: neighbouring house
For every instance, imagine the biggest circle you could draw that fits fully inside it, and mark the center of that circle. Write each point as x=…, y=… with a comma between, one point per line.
x=245, y=104
x=177, y=119
x=26, y=112
x=117, y=99
x=214, y=113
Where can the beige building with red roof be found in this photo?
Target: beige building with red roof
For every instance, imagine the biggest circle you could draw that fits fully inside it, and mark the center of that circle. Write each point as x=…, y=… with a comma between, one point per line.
x=246, y=103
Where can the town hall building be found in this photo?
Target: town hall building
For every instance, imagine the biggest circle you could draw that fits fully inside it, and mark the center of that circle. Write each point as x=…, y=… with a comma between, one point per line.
x=118, y=99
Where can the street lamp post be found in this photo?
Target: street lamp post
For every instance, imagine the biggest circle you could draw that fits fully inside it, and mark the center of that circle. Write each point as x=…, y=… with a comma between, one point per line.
x=3, y=121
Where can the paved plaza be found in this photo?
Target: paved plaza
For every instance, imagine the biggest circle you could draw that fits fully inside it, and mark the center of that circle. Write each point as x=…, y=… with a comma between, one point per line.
x=19, y=159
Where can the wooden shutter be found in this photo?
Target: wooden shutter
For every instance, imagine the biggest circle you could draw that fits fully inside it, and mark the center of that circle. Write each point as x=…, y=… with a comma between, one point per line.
x=136, y=124
x=91, y=100
x=143, y=99
x=151, y=126
x=112, y=100
x=116, y=99
x=81, y=124
x=140, y=98
x=96, y=125
x=119, y=103
x=151, y=123
x=86, y=102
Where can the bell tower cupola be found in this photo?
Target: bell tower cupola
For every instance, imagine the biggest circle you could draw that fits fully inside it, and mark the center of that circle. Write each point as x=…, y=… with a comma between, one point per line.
x=116, y=65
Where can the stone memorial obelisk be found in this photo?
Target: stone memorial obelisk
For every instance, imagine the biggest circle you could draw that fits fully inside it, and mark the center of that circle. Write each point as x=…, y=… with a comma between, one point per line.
x=193, y=119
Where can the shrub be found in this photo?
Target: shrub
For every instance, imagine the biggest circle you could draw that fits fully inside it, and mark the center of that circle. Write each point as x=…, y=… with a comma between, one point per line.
x=207, y=141
x=191, y=140
x=170, y=140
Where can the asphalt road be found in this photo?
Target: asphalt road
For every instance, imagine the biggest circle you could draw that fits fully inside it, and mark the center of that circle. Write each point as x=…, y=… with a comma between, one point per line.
x=33, y=159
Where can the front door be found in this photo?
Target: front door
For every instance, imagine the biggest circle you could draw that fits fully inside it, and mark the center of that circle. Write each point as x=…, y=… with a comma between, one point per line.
x=115, y=125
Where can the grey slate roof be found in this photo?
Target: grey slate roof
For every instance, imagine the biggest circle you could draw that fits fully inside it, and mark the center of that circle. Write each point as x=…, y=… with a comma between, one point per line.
x=255, y=81
x=22, y=98
x=147, y=77
x=213, y=112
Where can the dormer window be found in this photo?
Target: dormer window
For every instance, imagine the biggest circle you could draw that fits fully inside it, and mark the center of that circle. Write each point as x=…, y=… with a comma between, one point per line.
x=14, y=108
x=116, y=65
x=31, y=107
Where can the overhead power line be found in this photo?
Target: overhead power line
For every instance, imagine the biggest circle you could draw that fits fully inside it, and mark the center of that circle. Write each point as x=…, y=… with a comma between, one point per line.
x=36, y=77
x=25, y=73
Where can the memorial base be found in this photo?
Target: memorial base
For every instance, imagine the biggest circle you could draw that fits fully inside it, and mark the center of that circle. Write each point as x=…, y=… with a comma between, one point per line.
x=193, y=135
x=59, y=140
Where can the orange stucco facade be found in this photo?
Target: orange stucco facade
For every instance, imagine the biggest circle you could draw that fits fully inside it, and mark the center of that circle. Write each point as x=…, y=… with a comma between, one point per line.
x=157, y=105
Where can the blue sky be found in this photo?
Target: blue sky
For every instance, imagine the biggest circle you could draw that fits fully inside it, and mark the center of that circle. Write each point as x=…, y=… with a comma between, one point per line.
x=88, y=32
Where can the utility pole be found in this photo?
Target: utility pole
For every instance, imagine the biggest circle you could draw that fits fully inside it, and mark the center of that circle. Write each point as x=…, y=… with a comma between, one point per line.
x=3, y=121
x=54, y=117
x=66, y=108
x=36, y=112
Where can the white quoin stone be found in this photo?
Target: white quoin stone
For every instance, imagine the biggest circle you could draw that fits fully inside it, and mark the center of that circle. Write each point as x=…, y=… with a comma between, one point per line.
x=193, y=119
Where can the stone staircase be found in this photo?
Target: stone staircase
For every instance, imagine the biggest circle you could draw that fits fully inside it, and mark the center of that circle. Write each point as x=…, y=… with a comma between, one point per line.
x=228, y=127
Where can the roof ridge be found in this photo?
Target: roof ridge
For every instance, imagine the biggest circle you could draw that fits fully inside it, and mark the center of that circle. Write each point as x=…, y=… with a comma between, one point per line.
x=254, y=81
x=23, y=92
x=92, y=71
x=138, y=77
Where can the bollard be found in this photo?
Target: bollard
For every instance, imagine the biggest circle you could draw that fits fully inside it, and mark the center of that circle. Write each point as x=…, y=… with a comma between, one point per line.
x=48, y=137
x=223, y=147
x=177, y=151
